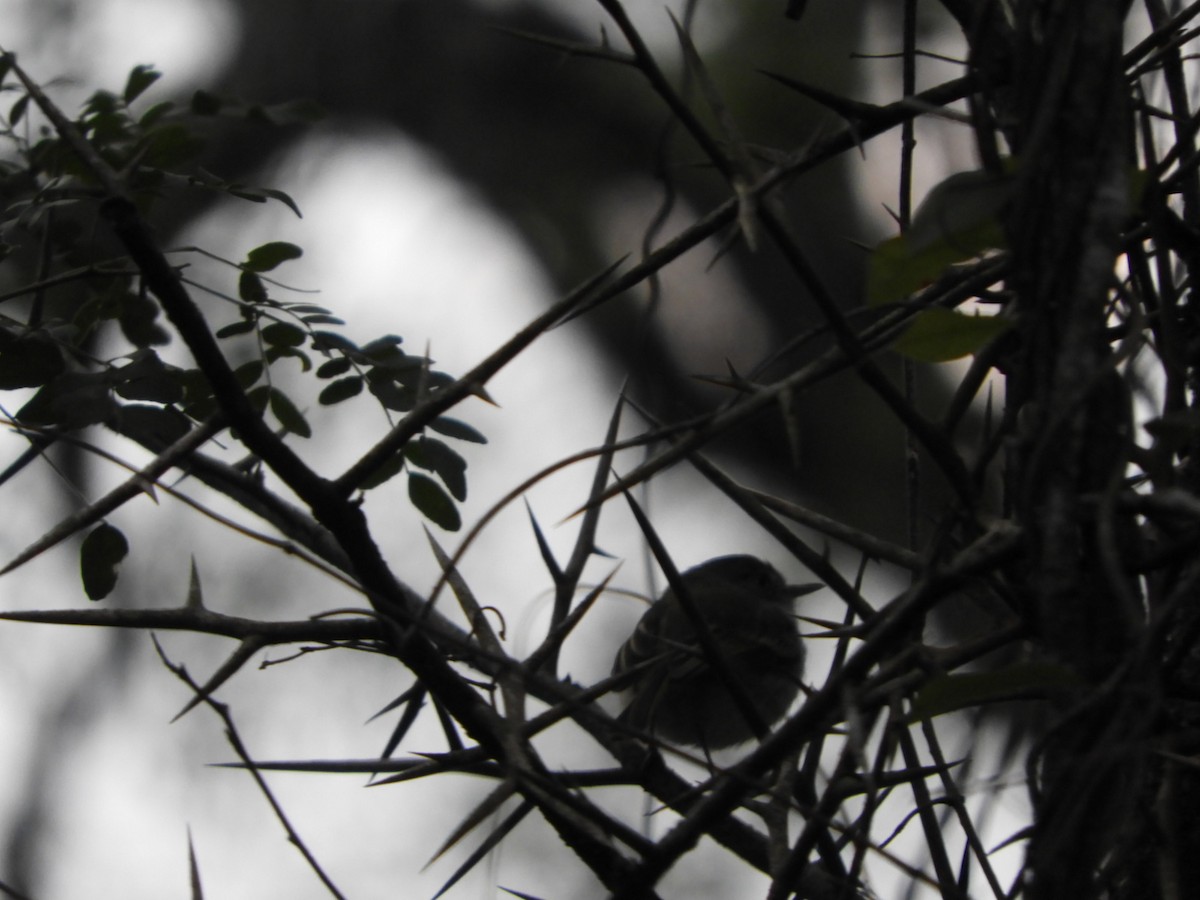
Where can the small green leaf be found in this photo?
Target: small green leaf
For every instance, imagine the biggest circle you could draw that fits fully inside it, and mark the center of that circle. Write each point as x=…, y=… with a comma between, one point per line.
x=251, y=288
x=382, y=343
x=140, y=78
x=437, y=457
x=959, y=205
x=138, y=319
x=958, y=220
x=400, y=398
x=99, y=556
x=897, y=269
x=167, y=146
x=342, y=389
x=940, y=335
x=456, y=429
x=249, y=372
x=277, y=352
x=18, y=110
x=386, y=352
x=288, y=415
x=333, y=368
x=155, y=113
x=235, y=328
x=101, y=103
x=261, y=195
x=384, y=473
x=435, y=381
x=259, y=396
x=268, y=256
x=284, y=334
x=331, y=340
x=433, y=502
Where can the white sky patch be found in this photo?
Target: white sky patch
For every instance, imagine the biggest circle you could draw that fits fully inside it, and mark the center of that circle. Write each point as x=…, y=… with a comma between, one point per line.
x=189, y=40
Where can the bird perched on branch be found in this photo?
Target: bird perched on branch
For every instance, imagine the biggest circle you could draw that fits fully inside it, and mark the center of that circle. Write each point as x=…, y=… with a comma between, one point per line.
x=716, y=690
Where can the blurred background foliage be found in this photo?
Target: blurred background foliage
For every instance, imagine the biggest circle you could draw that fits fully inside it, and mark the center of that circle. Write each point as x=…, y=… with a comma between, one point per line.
x=560, y=147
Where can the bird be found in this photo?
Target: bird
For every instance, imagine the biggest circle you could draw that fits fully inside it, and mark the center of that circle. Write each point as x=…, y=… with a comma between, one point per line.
x=678, y=693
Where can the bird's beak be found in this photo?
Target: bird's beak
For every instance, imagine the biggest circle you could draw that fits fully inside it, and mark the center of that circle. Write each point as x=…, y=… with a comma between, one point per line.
x=799, y=590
